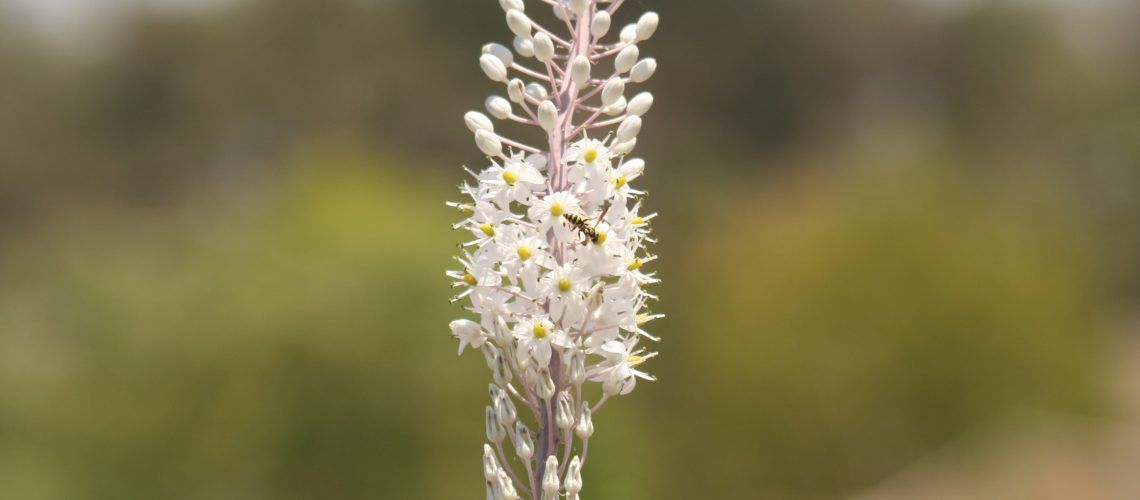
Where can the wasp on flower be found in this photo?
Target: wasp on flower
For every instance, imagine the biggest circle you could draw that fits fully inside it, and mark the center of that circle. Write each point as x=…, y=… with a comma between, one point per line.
x=553, y=276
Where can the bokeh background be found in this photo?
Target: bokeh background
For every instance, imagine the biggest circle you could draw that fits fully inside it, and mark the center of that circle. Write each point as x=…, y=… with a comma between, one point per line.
x=900, y=244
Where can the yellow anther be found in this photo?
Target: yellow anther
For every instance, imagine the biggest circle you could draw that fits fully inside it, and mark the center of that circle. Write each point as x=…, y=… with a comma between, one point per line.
x=637, y=220
x=590, y=155
x=633, y=359
x=619, y=181
x=487, y=229
x=556, y=209
x=564, y=284
x=524, y=253
x=601, y=237
x=469, y=279
x=539, y=330
x=510, y=177
x=635, y=264
x=642, y=318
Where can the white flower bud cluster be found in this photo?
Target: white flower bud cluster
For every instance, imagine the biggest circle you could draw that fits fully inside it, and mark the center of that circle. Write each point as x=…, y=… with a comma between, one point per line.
x=553, y=273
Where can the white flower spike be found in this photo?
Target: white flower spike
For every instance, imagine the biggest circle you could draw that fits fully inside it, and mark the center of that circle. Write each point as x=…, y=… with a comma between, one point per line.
x=554, y=277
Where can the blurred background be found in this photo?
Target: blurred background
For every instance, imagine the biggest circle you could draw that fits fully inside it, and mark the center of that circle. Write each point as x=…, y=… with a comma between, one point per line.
x=900, y=244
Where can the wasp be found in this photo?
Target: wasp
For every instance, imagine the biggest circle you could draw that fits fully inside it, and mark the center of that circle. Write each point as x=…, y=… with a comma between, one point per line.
x=583, y=225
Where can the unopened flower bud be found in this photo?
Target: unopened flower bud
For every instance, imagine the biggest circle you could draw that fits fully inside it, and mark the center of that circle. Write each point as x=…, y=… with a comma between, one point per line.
x=488, y=143
x=564, y=418
x=524, y=46
x=508, y=490
x=498, y=107
x=502, y=372
x=503, y=335
x=593, y=302
x=537, y=91
x=629, y=128
x=585, y=427
x=624, y=148
x=495, y=431
x=493, y=67
x=489, y=353
x=640, y=104
x=626, y=59
x=518, y=22
x=547, y=115
x=516, y=91
x=573, y=483
x=560, y=11
x=635, y=166
x=530, y=374
x=580, y=70
x=505, y=409
x=578, y=368
x=629, y=33
x=578, y=7
x=507, y=5
x=524, y=445
x=601, y=24
x=643, y=70
x=490, y=465
x=545, y=387
x=543, y=48
x=550, y=484
x=647, y=25
x=504, y=54
x=617, y=108
x=478, y=121
x=613, y=91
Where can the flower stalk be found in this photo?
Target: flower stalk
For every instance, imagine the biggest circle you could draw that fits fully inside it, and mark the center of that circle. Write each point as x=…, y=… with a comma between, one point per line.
x=554, y=273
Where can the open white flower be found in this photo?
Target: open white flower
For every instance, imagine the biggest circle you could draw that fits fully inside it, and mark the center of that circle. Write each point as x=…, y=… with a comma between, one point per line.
x=538, y=338
x=619, y=372
x=548, y=213
x=468, y=332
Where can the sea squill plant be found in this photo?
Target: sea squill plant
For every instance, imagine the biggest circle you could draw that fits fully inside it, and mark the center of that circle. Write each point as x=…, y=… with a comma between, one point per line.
x=554, y=277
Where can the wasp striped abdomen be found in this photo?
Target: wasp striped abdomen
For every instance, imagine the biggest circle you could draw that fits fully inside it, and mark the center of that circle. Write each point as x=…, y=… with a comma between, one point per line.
x=582, y=225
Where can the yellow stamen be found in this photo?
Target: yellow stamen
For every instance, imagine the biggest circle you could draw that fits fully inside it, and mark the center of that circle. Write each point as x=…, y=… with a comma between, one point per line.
x=564, y=284
x=601, y=237
x=524, y=253
x=487, y=229
x=633, y=359
x=637, y=220
x=469, y=279
x=556, y=209
x=590, y=155
x=619, y=181
x=539, y=330
x=510, y=177
x=635, y=264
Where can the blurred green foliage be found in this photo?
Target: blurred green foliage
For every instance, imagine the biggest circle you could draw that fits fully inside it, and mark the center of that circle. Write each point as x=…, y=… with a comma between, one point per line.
x=279, y=345
x=846, y=326
x=222, y=244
